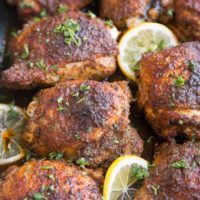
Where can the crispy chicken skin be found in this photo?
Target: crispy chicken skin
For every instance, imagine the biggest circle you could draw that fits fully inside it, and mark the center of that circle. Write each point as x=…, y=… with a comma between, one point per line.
x=50, y=59
x=169, y=90
x=119, y=11
x=93, y=122
x=30, y=8
x=166, y=181
x=51, y=179
x=187, y=17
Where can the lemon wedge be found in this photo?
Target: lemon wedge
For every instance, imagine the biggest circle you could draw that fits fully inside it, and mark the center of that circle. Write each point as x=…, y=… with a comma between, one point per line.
x=121, y=176
x=12, y=122
x=144, y=38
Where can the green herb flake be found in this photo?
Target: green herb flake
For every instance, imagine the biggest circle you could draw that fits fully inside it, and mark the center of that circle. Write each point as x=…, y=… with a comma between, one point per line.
x=30, y=64
x=136, y=68
x=60, y=104
x=43, y=13
x=161, y=45
x=170, y=12
x=47, y=167
x=109, y=23
x=53, y=67
x=155, y=189
x=82, y=162
x=139, y=172
x=25, y=52
x=89, y=130
x=12, y=114
x=91, y=14
x=62, y=9
x=84, y=87
x=24, y=4
x=75, y=94
x=13, y=33
x=36, y=19
x=51, y=176
x=69, y=30
x=56, y=155
x=40, y=64
x=192, y=65
x=181, y=164
x=179, y=81
x=39, y=196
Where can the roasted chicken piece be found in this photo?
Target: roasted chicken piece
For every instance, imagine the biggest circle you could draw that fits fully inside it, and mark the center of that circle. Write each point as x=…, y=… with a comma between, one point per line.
x=31, y=8
x=83, y=119
x=122, y=11
x=68, y=46
x=187, y=19
x=174, y=174
x=169, y=90
x=47, y=180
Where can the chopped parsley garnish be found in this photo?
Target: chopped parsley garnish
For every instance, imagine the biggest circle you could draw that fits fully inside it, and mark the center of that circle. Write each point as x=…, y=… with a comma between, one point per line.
x=89, y=130
x=12, y=114
x=53, y=67
x=24, y=4
x=56, y=155
x=62, y=9
x=170, y=12
x=155, y=189
x=139, y=172
x=39, y=196
x=47, y=167
x=69, y=30
x=30, y=64
x=84, y=87
x=109, y=23
x=13, y=33
x=25, y=52
x=60, y=104
x=43, y=13
x=192, y=65
x=161, y=45
x=75, y=94
x=179, y=81
x=181, y=164
x=40, y=64
x=51, y=176
x=136, y=67
x=91, y=14
x=82, y=162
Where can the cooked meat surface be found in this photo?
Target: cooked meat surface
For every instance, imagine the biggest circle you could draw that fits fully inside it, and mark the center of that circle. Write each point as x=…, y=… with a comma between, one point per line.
x=30, y=8
x=48, y=180
x=68, y=46
x=175, y=173
x=187, y=17
x=83, y=119
x=169, y=90
x=119, y=11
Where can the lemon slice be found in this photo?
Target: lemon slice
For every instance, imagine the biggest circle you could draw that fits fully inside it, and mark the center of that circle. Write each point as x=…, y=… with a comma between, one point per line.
x=146, y=37
x=12, y=122
x=120, y=177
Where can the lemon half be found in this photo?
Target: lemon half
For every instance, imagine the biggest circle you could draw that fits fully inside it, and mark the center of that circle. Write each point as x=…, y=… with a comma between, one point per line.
x=12, y=122
x=146, y=37
x=119, y=178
